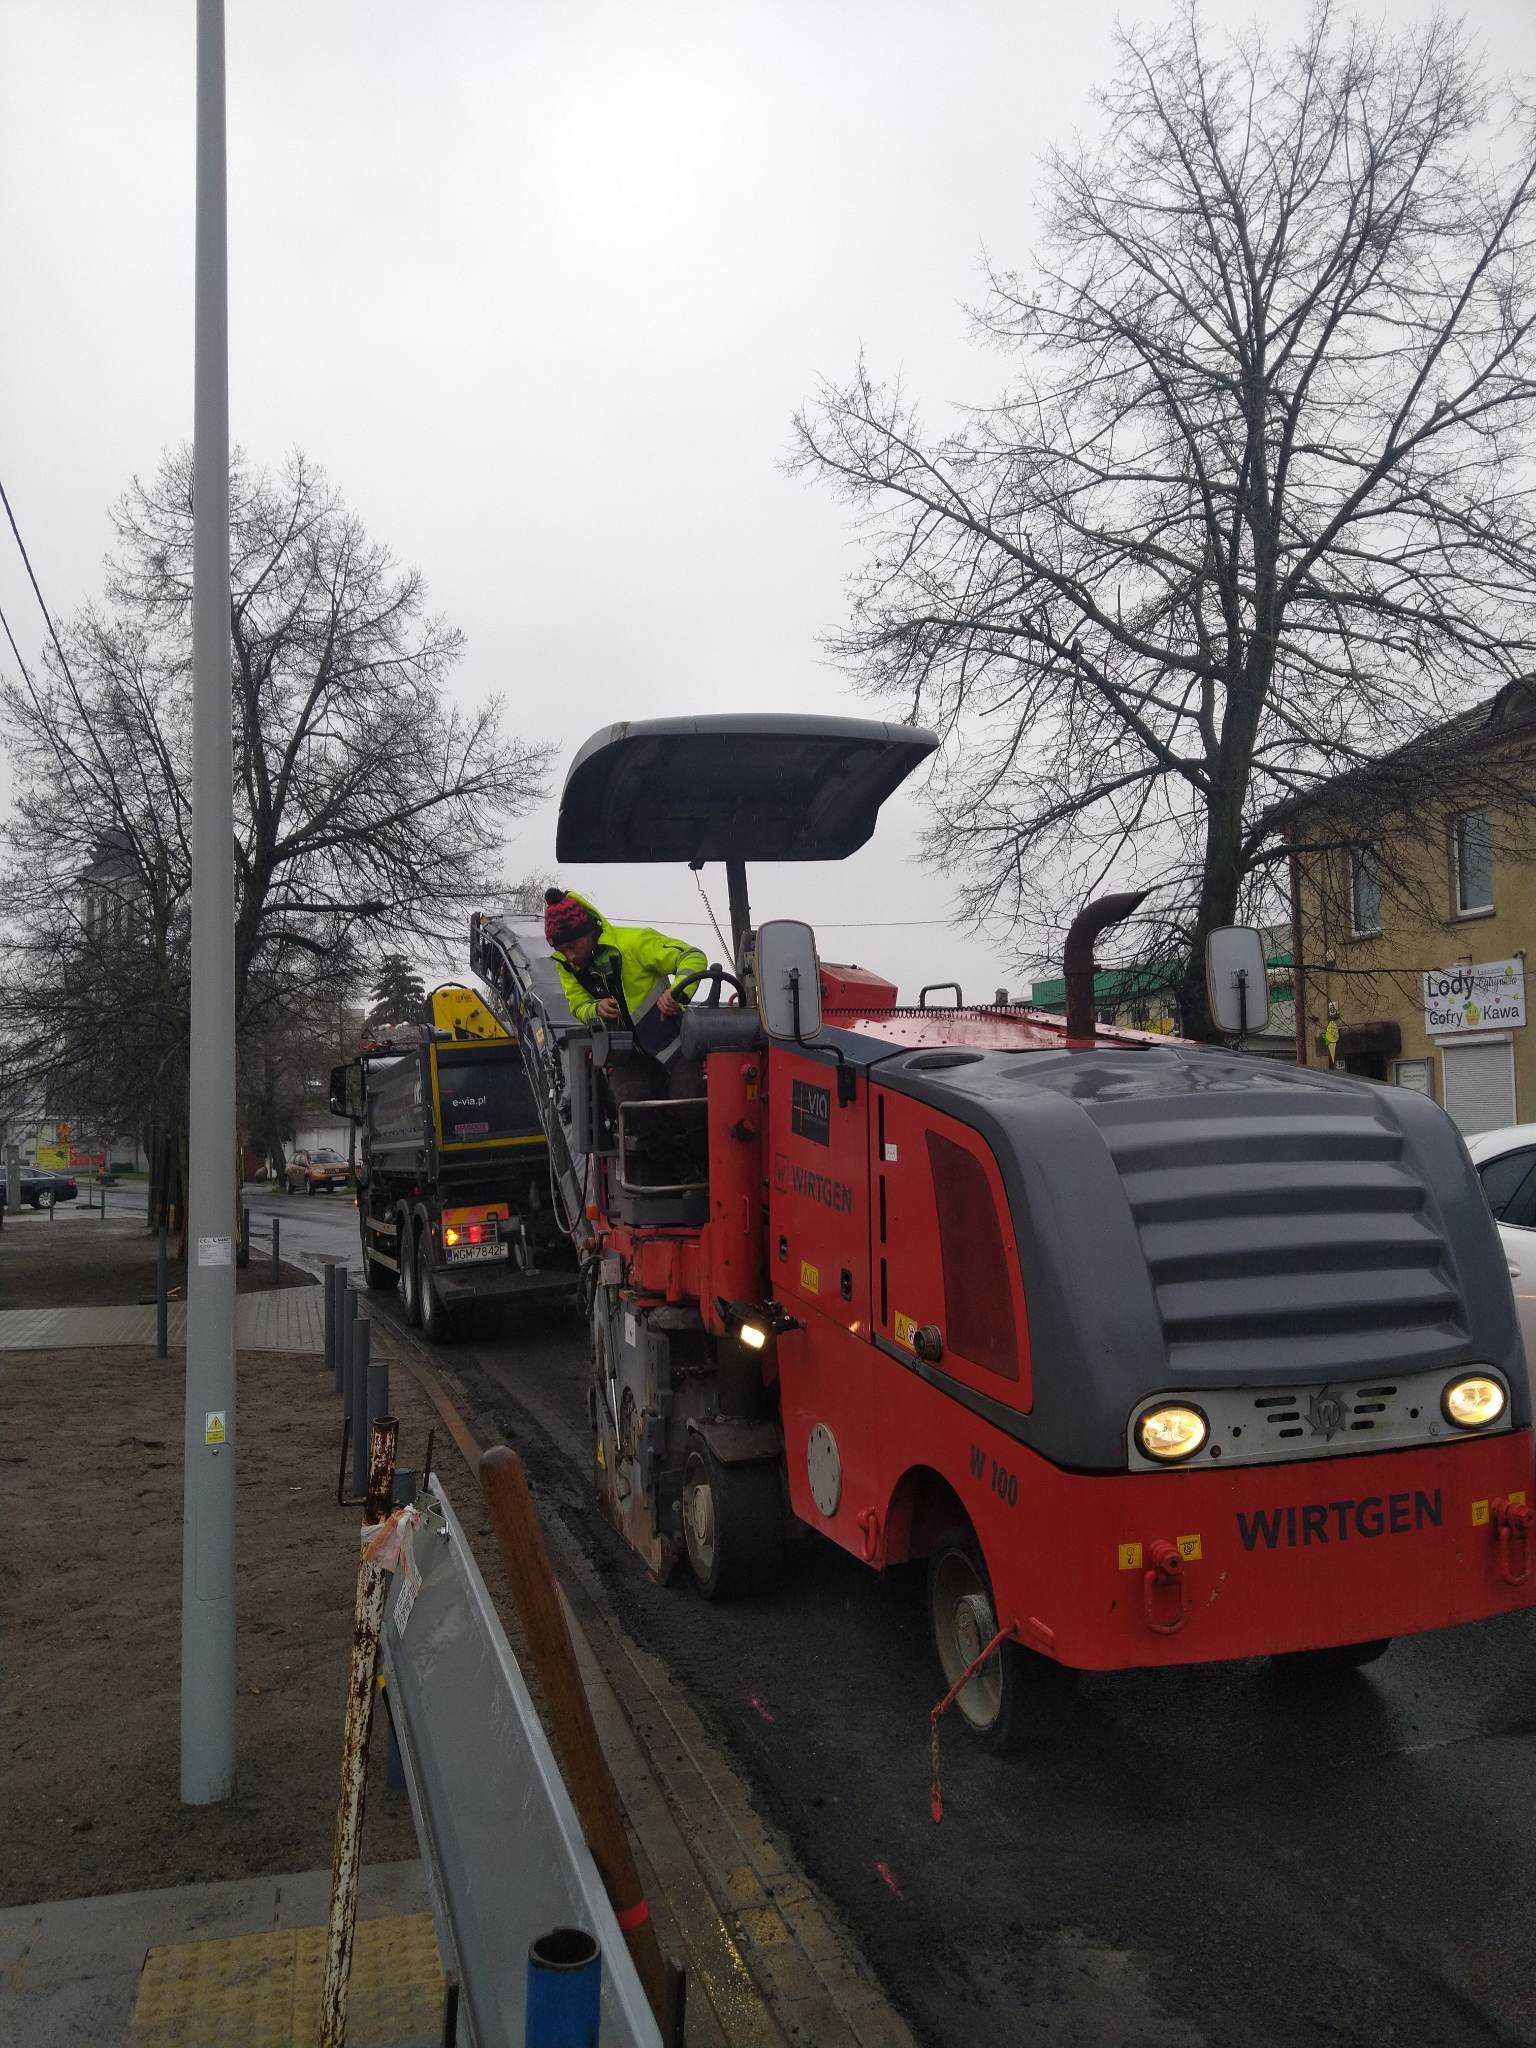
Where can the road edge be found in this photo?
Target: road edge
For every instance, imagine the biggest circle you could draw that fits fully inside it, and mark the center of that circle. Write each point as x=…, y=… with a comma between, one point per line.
x=769, y=1951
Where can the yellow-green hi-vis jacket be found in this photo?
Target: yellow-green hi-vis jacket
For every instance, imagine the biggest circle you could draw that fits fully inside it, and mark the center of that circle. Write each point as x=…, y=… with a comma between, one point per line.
x=644, y=958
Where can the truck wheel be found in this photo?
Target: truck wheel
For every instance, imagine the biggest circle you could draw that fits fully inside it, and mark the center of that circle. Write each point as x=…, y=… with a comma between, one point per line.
x=733, y=1522
x=437, y=1323
x=1340, y=1657
x=410, y=1289
x=963, y=1620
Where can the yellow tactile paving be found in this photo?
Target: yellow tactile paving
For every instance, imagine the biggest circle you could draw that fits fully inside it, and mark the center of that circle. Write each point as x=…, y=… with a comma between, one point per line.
x=263, y=1990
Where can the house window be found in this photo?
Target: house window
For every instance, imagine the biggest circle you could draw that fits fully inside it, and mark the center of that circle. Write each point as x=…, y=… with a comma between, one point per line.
x=1364, y=893
x=1474, y=863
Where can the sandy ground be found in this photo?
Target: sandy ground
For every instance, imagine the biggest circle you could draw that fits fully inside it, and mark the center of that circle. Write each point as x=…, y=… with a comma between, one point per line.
x=71, y=1261
x=90, y=1604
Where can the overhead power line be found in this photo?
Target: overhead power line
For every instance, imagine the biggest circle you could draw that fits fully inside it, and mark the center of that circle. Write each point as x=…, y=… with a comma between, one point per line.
x=20, y=663
x=36, y=591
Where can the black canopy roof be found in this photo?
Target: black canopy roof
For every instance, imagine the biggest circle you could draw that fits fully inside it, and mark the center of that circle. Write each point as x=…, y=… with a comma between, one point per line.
x=735, y=786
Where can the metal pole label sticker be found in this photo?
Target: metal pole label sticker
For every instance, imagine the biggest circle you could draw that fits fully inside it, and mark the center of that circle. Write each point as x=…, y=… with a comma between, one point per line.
x=214, y=1431
x=215, y=1251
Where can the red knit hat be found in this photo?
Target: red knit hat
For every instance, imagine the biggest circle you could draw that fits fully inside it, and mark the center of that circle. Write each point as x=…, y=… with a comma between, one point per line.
x=565, y=919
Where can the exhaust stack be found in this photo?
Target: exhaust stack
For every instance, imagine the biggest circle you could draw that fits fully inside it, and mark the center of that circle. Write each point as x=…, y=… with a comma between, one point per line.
x=1077, y=960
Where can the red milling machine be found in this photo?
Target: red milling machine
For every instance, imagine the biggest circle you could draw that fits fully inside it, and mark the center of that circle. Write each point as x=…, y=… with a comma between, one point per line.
x=1157, y=1353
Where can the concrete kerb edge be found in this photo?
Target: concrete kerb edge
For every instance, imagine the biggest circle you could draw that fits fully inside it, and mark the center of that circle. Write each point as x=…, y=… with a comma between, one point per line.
x=824, y=1978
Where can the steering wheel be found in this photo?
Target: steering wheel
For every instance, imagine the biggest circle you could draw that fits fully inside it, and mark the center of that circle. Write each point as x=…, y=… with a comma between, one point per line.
x=717, y=977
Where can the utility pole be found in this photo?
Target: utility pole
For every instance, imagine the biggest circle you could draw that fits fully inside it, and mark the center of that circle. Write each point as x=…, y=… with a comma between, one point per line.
x=208, y=1523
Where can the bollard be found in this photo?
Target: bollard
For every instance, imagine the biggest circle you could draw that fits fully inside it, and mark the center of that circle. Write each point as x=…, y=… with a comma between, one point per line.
x=243, y=1255
x=358, y=1397
x=565, y=1989
x=328, y=1309
x=162, y=1300
x=276, y=1273
x=378, y=1382
x=343, y=1331
x=343, y=1338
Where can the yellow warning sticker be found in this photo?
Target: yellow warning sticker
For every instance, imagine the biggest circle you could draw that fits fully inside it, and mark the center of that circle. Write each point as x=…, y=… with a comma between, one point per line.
x=1479, y=1514
x=214, y=1431
x=1517, y=1500
x=810, y=1277
x=1129, y=1557
x=1189, y=1549
x=904, y=1329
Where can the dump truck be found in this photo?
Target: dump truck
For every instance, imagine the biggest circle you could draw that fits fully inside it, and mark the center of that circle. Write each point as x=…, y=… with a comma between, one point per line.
x=1151, y=1352
x=454, y=1193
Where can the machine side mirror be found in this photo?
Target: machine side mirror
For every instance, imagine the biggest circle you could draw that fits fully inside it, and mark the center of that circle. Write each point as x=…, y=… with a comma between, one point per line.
x=788, y=980
x=347, y=1091
x=1236, y=982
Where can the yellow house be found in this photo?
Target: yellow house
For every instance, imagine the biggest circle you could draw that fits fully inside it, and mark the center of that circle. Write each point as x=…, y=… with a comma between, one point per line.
x=1413, y=895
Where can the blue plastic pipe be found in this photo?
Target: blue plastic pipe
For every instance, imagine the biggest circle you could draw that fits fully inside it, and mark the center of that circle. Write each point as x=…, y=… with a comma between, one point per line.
x=565, y=1985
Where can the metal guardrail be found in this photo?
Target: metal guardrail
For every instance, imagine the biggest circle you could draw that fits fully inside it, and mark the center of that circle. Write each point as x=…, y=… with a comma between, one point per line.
x=505, y=1858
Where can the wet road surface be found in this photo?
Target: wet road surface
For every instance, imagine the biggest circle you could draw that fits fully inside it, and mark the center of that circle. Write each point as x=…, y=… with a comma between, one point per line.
x=1181, y=1859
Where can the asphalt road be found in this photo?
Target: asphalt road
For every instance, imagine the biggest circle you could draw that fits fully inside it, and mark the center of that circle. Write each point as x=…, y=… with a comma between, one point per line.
x=309, y=1226
x=1177, y=1860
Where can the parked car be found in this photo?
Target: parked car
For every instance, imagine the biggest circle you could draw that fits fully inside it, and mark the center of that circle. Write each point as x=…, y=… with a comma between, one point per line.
x=1506, y=1166
x=40, y=1189
x=319, y=1172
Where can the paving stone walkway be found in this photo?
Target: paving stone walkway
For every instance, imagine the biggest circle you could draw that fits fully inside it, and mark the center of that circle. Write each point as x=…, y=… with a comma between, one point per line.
x=283, y=1319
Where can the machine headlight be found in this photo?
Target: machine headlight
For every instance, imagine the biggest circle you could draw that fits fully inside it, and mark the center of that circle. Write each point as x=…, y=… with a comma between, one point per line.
x=1171, y=1433
x=1473, y=1401
x=753, y=1335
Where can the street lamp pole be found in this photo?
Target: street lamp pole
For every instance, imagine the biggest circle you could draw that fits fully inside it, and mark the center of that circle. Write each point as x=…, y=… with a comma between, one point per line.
x=208, y=1524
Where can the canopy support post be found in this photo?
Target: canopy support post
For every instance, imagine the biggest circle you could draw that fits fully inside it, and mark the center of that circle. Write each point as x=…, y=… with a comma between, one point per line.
x=741, y=909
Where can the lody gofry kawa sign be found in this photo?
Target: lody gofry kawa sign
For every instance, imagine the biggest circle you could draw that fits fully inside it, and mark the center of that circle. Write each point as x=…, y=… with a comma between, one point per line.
x=1490, y=997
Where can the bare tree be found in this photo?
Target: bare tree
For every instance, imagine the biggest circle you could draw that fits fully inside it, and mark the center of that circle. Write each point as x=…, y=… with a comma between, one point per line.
x=369, y=799
x=1255, y=504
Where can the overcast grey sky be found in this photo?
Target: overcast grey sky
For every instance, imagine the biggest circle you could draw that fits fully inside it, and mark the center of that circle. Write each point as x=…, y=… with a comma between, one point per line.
x=540, y=285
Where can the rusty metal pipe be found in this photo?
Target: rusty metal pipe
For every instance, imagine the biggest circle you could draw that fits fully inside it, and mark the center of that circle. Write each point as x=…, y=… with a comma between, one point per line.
x=346, y=1858
x=1077, y=959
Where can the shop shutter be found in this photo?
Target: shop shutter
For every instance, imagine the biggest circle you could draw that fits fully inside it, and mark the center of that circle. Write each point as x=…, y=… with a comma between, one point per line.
x=1479, y=1087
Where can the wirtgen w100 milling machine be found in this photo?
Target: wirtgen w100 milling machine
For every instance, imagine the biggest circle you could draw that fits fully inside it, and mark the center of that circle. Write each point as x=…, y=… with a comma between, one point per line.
x=1157, y=1353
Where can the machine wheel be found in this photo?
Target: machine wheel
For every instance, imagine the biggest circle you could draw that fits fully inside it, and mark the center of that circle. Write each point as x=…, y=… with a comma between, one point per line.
x=733, y=1522
x=375, y=1276
x=410, y=1279
x=437, y=1322
x=1340, y=1657
x=963, y=1620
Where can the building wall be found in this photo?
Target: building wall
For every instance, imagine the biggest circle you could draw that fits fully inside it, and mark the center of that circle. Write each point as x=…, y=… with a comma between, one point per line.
x=1484, y=1076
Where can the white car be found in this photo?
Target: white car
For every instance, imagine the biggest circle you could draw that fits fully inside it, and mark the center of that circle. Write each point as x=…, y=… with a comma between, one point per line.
x=1506, y=1166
